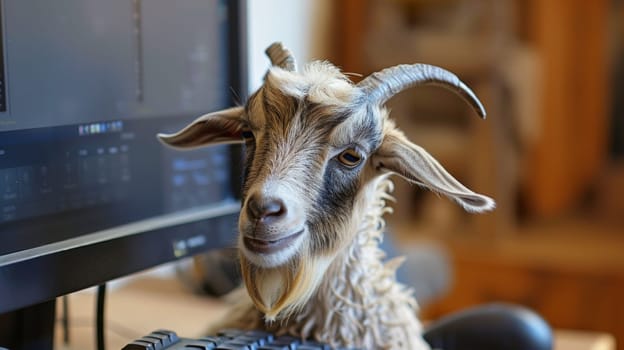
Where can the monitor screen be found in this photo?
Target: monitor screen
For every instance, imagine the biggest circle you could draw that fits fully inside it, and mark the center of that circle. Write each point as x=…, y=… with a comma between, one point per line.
x=86, y=189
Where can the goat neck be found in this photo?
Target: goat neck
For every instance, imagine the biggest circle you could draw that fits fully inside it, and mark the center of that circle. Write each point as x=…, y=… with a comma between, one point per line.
x=360, y=303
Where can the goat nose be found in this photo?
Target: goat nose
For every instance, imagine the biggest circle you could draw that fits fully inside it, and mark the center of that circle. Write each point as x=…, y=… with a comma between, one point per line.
x=265, y=209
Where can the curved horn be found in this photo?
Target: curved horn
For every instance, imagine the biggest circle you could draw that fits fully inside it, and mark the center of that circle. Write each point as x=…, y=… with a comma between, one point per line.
x=382, y=85
x=281, y=57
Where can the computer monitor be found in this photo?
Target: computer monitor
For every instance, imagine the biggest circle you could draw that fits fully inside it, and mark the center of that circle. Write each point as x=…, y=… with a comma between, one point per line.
x=87, y=193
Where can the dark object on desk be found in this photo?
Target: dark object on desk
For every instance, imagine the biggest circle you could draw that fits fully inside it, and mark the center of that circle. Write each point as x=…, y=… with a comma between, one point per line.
x=491, y=327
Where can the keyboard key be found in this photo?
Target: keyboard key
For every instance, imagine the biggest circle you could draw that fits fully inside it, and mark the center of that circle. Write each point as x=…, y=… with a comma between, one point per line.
x=214, y=340
x=156, y=343
x=173, y=337
x=227, y=346
x=230, y=333
x=164, y=340
x=139, y=345
x=268, y=337
x=249, y=340
x=198, y=346
x=286, y=340
x=313, y=345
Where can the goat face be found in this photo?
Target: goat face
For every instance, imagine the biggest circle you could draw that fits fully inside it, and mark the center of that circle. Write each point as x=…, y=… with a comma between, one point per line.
x=314, y=142
x=305, y=156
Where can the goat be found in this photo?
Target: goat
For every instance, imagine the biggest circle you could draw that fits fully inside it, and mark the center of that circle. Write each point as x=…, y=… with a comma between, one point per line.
x=319, y=152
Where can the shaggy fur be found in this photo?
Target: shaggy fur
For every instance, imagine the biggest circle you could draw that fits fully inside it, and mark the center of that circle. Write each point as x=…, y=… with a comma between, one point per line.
x=358, y=290
x=318, y=154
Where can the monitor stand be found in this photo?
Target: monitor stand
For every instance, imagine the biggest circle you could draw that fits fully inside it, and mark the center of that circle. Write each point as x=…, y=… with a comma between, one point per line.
x=30, y=328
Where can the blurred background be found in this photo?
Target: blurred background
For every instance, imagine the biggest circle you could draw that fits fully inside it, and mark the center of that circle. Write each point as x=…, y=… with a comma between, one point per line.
x=551, y=75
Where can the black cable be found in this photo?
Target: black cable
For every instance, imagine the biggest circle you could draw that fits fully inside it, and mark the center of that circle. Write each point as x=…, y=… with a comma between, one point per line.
x=99, y=317
x=65, y=320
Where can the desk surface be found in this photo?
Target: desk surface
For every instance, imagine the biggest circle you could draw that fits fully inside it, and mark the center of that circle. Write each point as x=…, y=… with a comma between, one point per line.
x=149, y=303
x=574, y=340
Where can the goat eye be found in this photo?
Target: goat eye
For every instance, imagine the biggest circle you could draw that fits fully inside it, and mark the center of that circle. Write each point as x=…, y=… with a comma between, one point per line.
x=247, y=134
x=350, y=158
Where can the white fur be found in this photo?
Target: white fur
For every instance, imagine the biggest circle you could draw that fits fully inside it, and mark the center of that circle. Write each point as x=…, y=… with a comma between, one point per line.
x=320, y=82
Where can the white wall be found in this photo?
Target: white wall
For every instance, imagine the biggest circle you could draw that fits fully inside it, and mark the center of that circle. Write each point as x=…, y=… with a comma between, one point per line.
x=301, y=25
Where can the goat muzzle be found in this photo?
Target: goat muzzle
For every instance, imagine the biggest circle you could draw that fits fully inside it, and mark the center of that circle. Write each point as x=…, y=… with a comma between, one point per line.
x=265, y=210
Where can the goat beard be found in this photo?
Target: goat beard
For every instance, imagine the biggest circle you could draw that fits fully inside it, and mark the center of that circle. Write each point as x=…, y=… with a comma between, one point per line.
x=282, y=291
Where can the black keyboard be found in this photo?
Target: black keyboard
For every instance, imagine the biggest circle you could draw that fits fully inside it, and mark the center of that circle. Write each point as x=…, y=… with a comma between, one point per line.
x=229, y=339
x=491, y=327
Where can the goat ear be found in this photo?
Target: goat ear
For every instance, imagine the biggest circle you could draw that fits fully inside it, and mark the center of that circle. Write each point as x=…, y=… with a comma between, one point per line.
x=210, y=129
x=400, y=156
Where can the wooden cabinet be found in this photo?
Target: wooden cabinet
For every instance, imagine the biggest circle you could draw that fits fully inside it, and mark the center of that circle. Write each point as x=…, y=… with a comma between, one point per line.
x=568, y=149
x=571, y=37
